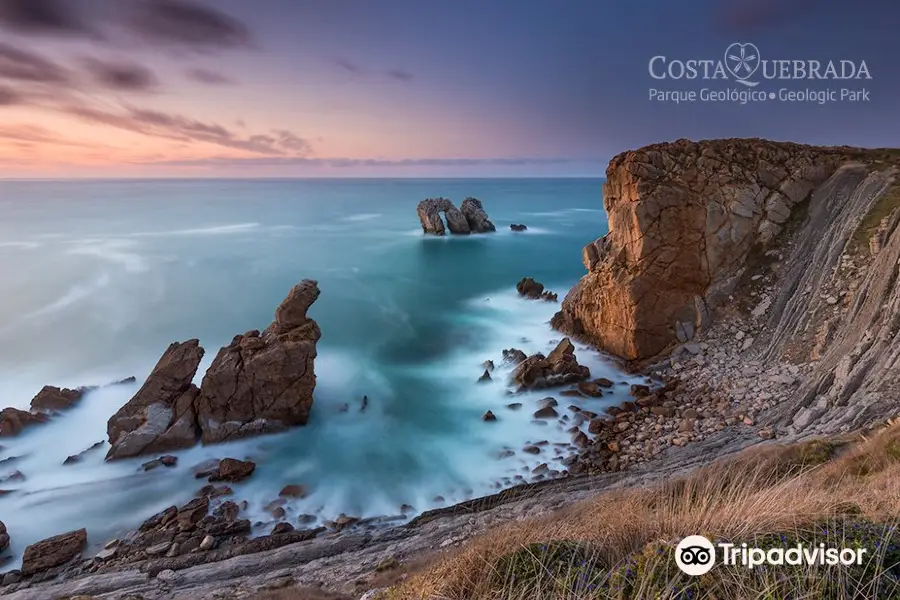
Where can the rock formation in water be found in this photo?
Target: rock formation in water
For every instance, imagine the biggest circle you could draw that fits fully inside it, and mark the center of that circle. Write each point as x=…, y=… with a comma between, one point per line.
x=162, y=415
x=473, y=211
x=51, y=398
x=13, y=421
x=683, y=219
x=263, y=382
x=534, y=290
x=53, y=551
x=560, y=367
x=430, y=210
x=260, y=383
x=518, y=227
x=469, y=218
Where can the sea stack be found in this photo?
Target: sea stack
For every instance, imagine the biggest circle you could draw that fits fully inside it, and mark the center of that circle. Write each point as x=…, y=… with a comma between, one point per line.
x=469, y=218
x=259, y=383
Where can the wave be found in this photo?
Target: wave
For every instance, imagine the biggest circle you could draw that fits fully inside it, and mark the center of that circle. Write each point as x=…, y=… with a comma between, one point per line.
x=362, y=217
x=211, y=230
x=74, y=295
x=111, y=250
x=20, y=245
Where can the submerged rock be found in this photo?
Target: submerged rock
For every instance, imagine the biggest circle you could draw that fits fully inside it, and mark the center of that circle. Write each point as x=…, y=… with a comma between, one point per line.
x=13, y=421
x=51, y=398
x=518, y=227
x=74, y=458
x=233, y=470
x=263, y=382
x=162, y=415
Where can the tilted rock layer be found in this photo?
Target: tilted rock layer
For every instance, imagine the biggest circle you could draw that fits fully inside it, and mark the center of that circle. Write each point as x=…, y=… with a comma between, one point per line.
x=260, y=383
x=683, y=219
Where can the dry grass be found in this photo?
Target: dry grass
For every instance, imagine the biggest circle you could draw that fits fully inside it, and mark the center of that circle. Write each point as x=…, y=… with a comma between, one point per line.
x=619, y=545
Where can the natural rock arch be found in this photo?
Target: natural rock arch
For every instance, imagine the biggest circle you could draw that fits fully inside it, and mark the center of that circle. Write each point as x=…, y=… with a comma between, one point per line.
x=469, y=218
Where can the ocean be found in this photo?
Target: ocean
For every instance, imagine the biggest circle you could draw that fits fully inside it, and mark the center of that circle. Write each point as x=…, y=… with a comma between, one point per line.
x=97, y=278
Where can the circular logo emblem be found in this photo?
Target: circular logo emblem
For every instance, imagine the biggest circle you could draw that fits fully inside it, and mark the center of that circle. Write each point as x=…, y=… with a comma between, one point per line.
x=742, y=60
x=695, y=555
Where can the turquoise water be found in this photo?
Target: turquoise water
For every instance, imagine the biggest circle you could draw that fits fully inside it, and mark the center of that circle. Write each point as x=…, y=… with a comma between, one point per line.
x=98, y=277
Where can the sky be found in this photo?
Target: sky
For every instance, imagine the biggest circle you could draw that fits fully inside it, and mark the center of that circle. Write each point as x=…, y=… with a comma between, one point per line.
x=417, y=88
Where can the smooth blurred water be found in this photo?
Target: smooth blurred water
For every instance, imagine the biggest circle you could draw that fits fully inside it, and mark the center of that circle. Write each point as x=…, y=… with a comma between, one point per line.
x=98, y=277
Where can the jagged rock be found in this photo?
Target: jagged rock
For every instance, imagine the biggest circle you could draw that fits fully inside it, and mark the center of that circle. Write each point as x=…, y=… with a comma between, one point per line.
x=429, y=211
x=485, y=377
x=53, y=551
x=161, y=416
x=560, y=367
x=262, y=383
x=514, y=356
x=489, y=416
x=74, y=458
x=51, y=399
x=233, y=470
x=683, y=218
x=476, y=217
x=518, y=227
x=4, y=537
x=13, y=421
x=529, y=288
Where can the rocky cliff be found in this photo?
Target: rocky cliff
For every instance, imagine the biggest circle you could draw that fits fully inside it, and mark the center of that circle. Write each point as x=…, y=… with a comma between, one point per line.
x=795, y=246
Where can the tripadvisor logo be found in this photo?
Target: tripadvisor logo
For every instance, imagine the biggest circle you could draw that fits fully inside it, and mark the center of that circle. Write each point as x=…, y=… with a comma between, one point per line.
x=695, y=555
x=743, y=64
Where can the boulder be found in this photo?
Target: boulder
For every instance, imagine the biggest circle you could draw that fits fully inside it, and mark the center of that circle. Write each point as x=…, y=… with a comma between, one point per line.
x=161, y=416
x=514, y=356
x=560, y=367
x=13, y=421
x=489, y=416
x=485, y=377
x=4, y=537
x=533, y=290
x=74, y=458
x=263, y=382
x=429, y=211
x=476, y=217
x=518, y=227
x=53, y=551
x=52, y=399
x=293, y=491
x=233, y=470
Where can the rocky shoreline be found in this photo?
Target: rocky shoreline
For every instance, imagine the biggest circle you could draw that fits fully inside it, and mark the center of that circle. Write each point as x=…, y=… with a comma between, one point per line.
x=757, y=314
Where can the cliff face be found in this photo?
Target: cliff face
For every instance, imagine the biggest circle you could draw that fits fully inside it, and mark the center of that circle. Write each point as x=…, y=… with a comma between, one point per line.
x=683, y=218
x=788, y=252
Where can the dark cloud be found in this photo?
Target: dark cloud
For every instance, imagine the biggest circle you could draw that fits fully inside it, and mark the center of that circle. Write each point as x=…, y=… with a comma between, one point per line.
x=349, y=66
x=23, y=65
x=189, y=24
x=42, y=16
x=745, y=16
x=400, y=75
x=184, y=129
x=210, y=77
x=122, y=76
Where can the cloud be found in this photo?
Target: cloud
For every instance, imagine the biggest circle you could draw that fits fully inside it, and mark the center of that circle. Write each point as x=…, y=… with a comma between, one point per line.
x=42, y=16
x=747, y=15
x=188, y=23
x=349, y=66
x=127, y=77
x=9, y=96
x=184, y=129
x=210, y=77
x=35, y=134
x=22, y=65
x=400, y=75
x=339, y=162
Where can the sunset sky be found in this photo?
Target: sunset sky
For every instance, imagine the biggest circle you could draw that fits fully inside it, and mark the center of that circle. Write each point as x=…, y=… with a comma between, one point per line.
x=296, y=88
